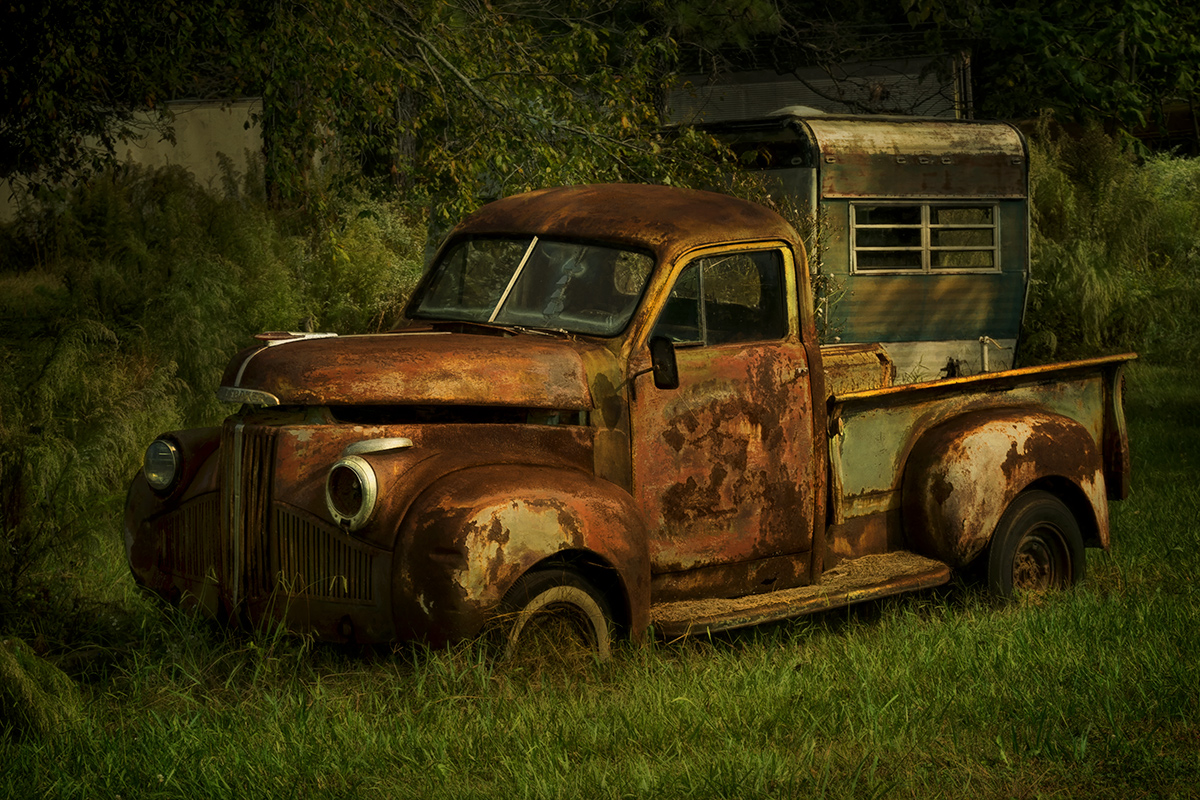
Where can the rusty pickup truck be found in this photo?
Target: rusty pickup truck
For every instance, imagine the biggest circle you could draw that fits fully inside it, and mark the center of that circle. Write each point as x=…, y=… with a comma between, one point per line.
x=607, y=410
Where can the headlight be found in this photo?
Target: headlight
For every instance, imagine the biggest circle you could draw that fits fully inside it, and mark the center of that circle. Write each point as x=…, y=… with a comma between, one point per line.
x=161, y=465
x=350, y=492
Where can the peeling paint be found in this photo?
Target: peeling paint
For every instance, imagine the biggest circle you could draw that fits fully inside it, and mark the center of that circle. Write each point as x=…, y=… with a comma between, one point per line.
x=489, y=543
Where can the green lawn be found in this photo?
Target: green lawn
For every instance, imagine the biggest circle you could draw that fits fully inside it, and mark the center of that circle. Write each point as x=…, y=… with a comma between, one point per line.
x=1092, y=693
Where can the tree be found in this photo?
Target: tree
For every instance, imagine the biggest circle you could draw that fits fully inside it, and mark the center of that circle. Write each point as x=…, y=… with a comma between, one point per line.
x=1113, y=62
x=74, y=72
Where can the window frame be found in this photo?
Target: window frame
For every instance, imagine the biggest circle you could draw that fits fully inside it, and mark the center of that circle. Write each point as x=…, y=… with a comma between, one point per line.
x=926, y=247
x=782, y=263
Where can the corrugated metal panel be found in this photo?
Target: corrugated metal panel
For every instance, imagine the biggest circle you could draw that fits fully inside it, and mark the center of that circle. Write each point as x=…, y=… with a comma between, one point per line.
x=900, y=308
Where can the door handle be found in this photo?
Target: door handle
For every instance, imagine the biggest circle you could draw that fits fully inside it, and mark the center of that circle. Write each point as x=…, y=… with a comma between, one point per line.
x=797, y=374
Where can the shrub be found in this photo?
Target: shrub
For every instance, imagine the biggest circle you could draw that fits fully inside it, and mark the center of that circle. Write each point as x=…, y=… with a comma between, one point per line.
x=1115, y=253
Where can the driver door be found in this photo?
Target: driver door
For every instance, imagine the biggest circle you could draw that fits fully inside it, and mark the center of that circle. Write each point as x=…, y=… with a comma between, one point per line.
x=723, y=464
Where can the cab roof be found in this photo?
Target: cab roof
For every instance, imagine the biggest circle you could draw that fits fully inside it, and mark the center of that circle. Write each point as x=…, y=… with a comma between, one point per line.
x=665, y=220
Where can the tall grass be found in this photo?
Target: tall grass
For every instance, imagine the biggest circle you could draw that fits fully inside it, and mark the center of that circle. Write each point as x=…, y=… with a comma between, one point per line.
x=121, y=301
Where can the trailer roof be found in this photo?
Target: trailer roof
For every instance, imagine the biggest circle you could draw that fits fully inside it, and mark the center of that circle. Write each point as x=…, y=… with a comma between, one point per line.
x=890, y=156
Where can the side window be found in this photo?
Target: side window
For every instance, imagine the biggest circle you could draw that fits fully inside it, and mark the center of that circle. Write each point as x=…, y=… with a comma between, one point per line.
x=738, y=297
x=929, y=237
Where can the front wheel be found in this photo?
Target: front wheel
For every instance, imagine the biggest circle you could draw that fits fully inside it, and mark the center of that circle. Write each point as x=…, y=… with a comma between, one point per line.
x=554, y=614
x=1037, y=547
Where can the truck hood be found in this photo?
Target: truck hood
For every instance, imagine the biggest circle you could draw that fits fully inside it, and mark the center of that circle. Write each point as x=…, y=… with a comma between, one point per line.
x=411, y=367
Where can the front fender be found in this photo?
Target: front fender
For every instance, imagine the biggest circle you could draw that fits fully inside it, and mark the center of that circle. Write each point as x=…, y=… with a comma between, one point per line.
x=198, y=448
x=472, y=533
x=961, y=476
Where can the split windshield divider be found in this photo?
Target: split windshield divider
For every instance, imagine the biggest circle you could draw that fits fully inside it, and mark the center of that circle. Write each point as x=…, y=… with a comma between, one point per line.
x=513, y=280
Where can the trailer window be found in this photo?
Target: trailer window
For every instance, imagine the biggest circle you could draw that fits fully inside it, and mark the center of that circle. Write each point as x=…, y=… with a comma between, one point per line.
x=927, y=237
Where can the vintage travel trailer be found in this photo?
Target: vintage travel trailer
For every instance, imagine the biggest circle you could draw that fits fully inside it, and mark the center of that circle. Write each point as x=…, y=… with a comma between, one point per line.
x=920, y=227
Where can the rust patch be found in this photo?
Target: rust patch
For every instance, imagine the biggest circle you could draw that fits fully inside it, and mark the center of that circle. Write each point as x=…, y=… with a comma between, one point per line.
x=724, y=462
x=460, y=369
x=962, y=475
x=666, y=221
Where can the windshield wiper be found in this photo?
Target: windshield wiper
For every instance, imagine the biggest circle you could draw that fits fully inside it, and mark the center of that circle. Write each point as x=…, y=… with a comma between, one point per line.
x=559, y=332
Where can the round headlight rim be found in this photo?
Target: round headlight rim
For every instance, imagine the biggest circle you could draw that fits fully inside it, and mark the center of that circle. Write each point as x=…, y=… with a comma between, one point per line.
x=370, y=492
x=175, y=452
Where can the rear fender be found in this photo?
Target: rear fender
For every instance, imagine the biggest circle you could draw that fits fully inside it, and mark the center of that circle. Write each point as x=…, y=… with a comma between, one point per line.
x=471, y=534
x=961, y=476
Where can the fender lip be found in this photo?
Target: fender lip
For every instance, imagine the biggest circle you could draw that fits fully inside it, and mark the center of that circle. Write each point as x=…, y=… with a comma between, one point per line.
x=474, y=532
x=962, y=475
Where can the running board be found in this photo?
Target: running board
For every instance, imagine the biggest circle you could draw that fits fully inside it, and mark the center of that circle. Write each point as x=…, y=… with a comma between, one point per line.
x=865, y=578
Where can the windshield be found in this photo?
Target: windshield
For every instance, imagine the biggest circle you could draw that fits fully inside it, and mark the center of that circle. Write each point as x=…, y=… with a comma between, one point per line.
x=535, y=283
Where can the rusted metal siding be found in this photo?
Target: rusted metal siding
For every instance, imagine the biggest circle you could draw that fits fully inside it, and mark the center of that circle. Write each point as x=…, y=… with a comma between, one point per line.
x=904, y=308
x=899, y=157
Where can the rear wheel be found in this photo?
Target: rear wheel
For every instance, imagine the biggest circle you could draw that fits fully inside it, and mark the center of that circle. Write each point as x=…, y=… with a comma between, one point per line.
x=554, y=615
x=1037, y=547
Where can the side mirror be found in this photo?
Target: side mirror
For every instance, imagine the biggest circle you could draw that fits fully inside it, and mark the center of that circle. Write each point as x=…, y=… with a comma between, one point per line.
x=662, y=363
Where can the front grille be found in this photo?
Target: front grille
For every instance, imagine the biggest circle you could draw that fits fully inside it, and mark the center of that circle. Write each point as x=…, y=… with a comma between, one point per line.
x=247, y=467
x=269, y=548
x=189, y=538
x=310, y=560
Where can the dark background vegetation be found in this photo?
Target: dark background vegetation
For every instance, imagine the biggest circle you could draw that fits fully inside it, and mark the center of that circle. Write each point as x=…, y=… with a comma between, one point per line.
x=124, y=291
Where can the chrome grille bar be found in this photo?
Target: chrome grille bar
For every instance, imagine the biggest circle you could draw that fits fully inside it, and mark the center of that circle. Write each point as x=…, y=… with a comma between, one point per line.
x=311, y=560
x=248, y=467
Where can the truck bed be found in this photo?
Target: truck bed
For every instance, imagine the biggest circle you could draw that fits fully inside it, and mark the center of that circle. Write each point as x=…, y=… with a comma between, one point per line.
x=873, y=432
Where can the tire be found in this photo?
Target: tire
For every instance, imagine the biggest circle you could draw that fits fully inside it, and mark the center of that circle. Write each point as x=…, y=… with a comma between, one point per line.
x=553, y=615
x=1037, y=547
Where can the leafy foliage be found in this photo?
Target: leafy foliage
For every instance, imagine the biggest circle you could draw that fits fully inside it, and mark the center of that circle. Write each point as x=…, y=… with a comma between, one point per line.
x=1114, y=62
x=1115, y=258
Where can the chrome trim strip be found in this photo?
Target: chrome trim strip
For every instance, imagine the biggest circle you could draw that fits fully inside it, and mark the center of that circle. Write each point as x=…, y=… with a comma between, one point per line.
x=377, y=446
x=294, y=337
x=242, y=368
x=299, y=337
x=254, y=397
x=237, y=522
